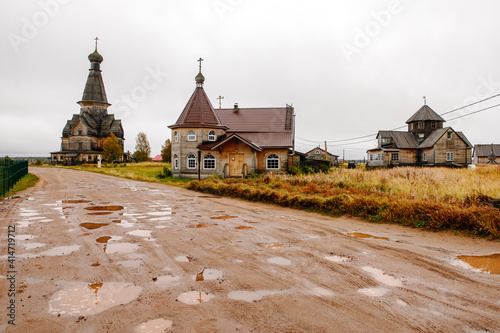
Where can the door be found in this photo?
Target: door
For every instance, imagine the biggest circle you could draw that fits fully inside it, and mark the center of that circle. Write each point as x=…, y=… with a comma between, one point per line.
x=236, y=162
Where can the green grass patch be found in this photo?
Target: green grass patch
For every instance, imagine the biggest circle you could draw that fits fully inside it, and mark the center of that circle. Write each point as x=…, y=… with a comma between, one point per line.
x=27, y=181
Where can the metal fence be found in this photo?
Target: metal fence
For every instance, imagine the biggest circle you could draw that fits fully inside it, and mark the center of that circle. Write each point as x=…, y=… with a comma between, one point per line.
x=11, y=171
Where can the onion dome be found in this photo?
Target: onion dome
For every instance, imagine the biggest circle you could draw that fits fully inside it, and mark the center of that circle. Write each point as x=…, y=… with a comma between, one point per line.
x=95, y=57
x=200, y=78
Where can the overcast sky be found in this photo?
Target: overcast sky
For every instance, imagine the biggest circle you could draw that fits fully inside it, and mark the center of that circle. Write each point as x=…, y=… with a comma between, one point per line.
x=350, y=68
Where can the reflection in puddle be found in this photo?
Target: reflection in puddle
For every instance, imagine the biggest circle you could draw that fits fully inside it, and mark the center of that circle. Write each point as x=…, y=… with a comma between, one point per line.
x=61, y=250
x=75, y=201
x=140, y=233
x=337, y=259
x=208, y=274
x=88, y=299
x=91, y=225
x=279, y=261
x=361, y=235
x=165, y=280
x=194, y=297
x=121, y=248
x=374, y=292
x=201, y=225
x=224, y=217
x=382, y=277
x=243, y=227
x=319, y=291
x=184, y=258
x=489, y=264
x=154, y=326
x=106, y=208
x=163, y=213
x=275, y=246
x=250, y=296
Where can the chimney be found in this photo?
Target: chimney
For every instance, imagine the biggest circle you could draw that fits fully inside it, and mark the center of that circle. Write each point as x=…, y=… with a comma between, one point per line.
x=236, y=108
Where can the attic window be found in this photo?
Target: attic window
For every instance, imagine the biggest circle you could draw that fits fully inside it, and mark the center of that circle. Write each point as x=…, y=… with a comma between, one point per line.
x=317, y=152
x=450, y=135
x=191, y=136
x=211, y=136
x=386, y=140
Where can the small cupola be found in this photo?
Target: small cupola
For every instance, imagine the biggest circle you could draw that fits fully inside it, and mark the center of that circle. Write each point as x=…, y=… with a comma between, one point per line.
x=236, y=109
x=199, y=78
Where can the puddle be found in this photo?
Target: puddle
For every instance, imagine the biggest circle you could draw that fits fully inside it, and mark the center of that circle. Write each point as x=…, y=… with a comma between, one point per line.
x=243, y=227
x=61, y=250
x=250, y=296
x=75, y=201
x=275, y=246
x=103, y=239
x=31, y=246
x=28, y=214
x=166, y=280
x=382, y=277
x=95, y=264
x=279, y=261
x=154, y=326
x=162, y=218
x=319, y=291
x=121, y=248
x=224, y=217
x=373, y=292
x=140, y=233
x=84, y=234
x=25, y=237
x=338, y=259
x=105, y=208
x=488, y=264
x=194, y=297
x=130, y=263
x=83, y=299
x=91, y=225
x=184, y=259
x=117, y=221
x=24, y=224
x=201, y=225
x=36, y=218
x=100, y=213
x=208, y=274
x=162, y=213
x=361, y=235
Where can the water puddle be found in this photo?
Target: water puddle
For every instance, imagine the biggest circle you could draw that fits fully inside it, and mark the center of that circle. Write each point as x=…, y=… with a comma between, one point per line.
x=194, y=297
x=36, y=218
x=489, y=264
x=154, y=326
x=84, y=234
x=89, y=299
x=184, y=259
x=275, y=246
x=208, y=274
x=201, y=225
x=24, y=224
x=361, y=235
x=338, y=259
x=75, y=201
x=61, y=250
x=161, y=213
x=105, y=208
x=103, y=239
x=117, y=221
x=224, y=217
x=243, y=227
x=140, y=233
x=165, y=281
x=251, y=296
x=373, y=292
x=121, y=248
x=28, y=214
x=382, y=277
x=130, y=263
x=161, y=218
x=95, y=264
x=279, y=261
x=92, y=225
x=322, y=292
x=31, y=246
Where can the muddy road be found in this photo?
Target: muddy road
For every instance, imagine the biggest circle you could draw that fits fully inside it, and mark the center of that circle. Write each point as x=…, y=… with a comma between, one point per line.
x=95, y=253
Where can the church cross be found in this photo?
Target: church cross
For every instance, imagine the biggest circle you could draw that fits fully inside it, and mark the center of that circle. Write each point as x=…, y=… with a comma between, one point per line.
x=220, y=98
x=96, y=39
x=200, y=60
x=425, y=100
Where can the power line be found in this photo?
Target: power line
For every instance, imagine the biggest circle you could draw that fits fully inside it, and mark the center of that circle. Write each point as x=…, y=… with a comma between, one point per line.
x=468, y=114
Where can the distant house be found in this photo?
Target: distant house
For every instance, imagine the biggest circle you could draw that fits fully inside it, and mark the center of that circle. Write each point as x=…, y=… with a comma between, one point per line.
x=426, y=143
x=84, y=133
x=487, y=154
x=319, y=154
x=157, y=158
x=230, y=142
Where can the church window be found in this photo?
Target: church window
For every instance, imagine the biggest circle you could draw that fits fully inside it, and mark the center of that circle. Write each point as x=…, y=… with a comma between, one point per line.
x=211, y=136
x=191, y=161
x=273, y=162
x=191, y=136
x=420, y=124
x=450, y=157
x=425, y=157
x=176, y=162
x=209, y=162
x=176, y=136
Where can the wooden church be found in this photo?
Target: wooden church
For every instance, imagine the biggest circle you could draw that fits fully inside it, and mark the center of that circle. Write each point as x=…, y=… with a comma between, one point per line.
x=230, y=142
x=84, y=133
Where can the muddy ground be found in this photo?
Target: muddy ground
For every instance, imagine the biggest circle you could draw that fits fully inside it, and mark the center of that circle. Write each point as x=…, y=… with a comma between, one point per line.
x=95, y=253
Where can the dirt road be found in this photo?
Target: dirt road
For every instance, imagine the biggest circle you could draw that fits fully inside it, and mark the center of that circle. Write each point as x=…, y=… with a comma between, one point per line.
x=100, y=254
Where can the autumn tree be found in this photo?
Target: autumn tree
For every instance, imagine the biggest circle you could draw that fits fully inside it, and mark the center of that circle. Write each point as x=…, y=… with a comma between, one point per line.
x=166, y=151
x=142, y=148
x=111, y=149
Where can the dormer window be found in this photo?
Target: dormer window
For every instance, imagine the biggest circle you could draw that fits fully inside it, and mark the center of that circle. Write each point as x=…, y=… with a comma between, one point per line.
x=211, y=136
x=386, y=141
x=191, y=136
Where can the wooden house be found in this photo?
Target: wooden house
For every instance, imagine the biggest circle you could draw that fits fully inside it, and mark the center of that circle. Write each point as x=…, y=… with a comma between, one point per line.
x=484, y=154
x=84, y=133
x=230, y=142
x=319, y=154
x=427, y=143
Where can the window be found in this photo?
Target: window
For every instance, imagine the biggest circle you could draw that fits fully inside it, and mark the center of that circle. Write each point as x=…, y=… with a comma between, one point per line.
x=317, y=152
x=424, y=158
x=273, y=162
x=209, y=162
x=79, y=132
x=434, y=124
x=420, y=124
x=450, y=135
x=395, y=157
x=176, y=136
x=176, y=162
x=450, y=157
x=412, y=126
x=211, y=136
x=386, y=140
x=191, y=159
x=191, y=136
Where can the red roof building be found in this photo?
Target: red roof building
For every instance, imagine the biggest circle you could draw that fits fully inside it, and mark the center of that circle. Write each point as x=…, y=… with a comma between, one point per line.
x=230, y=142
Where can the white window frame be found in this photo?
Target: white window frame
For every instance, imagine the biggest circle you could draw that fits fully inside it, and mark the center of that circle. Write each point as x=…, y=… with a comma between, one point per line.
x=209, y=158
x=176, y=162
x=450, y=156
x=395, y=157
x=191, y=158
x=424, y=157
x=176, y=136
x=272, y=158
x=192, y=136
x=211, y=136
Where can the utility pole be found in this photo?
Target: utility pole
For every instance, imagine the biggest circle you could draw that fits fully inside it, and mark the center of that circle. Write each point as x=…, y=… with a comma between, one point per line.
x=326, y=152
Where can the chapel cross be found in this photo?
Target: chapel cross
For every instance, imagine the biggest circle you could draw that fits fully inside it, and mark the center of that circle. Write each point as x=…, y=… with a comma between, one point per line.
x=220, y=98
x=96, y=39
x=200, y=60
